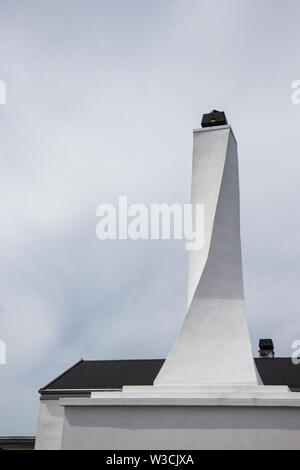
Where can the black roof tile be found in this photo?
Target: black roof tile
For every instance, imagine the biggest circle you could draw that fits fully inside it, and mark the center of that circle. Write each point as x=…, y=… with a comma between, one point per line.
x=88, y=375
x=107, y=374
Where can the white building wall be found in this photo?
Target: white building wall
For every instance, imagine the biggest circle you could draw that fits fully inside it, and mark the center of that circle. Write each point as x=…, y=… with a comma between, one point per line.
x=181, y=427
x=50, y=424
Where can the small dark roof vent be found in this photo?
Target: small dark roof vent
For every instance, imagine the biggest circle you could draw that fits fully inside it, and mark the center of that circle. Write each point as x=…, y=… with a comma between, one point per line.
x=266, y=348
x=215, y=118
x=266, y=344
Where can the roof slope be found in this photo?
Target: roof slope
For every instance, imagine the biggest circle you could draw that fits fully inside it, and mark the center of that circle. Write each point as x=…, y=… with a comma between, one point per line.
x=107, y=374
x=91, y=375
x=279, y=371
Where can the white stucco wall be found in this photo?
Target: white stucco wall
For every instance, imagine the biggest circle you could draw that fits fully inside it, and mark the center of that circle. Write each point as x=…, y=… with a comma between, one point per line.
x=181, y=427
x=50, y=424
x=213, y=345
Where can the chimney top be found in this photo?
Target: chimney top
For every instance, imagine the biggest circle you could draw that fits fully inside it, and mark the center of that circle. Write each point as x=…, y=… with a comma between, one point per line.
x=215, y=118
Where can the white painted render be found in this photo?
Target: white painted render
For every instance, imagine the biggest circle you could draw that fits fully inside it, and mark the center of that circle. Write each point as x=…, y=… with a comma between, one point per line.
x=181, y=427
x=214, y=344
x=184, y=417
x=50, y=424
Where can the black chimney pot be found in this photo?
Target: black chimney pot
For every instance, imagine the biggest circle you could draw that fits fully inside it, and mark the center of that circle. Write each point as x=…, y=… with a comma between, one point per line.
x=266, y=344
x=215, y=118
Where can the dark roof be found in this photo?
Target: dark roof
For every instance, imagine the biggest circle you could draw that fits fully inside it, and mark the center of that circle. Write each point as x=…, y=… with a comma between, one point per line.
x=279, y=371
x=91, y=375
x=107, y=374
x=17, y=442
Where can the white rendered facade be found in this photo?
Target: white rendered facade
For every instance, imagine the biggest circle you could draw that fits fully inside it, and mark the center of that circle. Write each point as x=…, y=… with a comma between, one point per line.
x=213, y=346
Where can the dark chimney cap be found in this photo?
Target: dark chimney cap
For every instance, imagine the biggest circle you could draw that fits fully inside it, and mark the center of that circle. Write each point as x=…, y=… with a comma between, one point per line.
x=215, y=118
x=266, y=345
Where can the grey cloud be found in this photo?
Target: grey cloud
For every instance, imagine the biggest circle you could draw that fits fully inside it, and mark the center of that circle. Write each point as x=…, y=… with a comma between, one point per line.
x=101, y=101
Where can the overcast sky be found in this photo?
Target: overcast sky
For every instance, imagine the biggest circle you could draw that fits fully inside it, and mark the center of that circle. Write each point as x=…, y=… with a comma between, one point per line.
x=102, y=98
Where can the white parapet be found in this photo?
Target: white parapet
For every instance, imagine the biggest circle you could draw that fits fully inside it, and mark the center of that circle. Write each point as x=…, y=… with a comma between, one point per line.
x=214, y=346
x=202, y=395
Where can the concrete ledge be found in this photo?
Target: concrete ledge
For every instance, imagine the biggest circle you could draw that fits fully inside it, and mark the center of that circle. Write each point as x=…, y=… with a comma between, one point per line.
x=191, y=396
x=279, y=402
